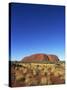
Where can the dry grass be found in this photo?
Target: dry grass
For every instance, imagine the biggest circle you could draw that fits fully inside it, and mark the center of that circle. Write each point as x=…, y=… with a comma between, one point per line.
x=32, y=74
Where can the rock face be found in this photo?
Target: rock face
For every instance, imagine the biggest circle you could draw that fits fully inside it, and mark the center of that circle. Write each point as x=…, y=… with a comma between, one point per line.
x=53, y=58
x=41, y=57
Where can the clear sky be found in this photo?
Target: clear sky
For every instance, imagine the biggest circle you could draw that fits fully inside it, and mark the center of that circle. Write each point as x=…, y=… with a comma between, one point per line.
x=37, y=29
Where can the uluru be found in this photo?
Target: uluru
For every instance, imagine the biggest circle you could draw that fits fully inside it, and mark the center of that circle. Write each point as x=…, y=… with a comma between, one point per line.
x=41, y=57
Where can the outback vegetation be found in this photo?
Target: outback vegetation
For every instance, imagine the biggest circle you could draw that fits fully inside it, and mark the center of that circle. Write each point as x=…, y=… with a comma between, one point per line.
x=32, y=74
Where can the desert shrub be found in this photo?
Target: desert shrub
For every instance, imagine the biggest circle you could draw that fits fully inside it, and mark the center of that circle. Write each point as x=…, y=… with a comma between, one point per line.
x=21, y=79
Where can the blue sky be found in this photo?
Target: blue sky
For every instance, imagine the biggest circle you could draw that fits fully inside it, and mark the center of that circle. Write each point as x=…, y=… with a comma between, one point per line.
x=37, y=29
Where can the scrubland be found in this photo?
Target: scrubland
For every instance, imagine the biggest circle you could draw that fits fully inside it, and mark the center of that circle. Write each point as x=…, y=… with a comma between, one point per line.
x=34, y=74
